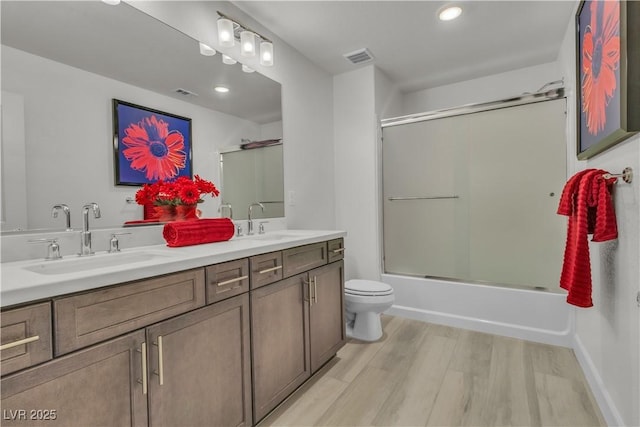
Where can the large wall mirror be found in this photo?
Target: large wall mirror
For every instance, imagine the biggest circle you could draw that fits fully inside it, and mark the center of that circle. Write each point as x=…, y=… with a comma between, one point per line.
x=62, y=64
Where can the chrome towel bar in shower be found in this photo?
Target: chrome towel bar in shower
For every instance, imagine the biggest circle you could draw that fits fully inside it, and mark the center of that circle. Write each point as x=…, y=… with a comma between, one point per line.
x=393, y=199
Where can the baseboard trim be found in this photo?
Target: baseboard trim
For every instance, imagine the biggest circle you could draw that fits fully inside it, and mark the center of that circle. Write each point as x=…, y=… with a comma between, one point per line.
x=609, y=411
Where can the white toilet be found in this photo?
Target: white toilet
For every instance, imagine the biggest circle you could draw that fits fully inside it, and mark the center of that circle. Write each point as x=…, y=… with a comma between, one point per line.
x=364, y=300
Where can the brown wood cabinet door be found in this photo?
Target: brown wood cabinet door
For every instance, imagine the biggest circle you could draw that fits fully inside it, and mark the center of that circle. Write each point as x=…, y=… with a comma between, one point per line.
x=326, y=314
x=280, y=331
x=97, y=386
x=25, y=336
x=199, y=367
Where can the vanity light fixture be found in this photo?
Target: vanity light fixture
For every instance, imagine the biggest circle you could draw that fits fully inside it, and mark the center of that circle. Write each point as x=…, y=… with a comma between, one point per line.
x=206, y=50
x=221, y=89
x=247, y=43
x=449, y=13
x=266, y=53
x=230, y=31
x=226, y=59
x=247, y=69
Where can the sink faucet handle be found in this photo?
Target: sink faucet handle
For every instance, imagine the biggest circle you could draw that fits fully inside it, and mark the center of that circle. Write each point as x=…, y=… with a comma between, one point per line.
x=114, y=244
x=67, y=212
x=53, y=250
x=238, y=230
x=261, y=227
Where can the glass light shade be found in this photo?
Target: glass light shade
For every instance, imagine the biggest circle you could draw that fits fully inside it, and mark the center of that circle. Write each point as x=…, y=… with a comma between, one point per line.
x=228, y=60
x=111, y=2
x=266, y=54
x=221, y=89
x=206, y=50
x=247, y=43
x=247, y=69
x=225, y=32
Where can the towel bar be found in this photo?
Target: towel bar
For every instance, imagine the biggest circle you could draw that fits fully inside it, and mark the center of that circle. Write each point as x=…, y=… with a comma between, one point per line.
x=626, y=175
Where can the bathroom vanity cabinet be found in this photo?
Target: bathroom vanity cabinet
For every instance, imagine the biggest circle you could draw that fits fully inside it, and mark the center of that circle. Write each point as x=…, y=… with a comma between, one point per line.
x=221, y=344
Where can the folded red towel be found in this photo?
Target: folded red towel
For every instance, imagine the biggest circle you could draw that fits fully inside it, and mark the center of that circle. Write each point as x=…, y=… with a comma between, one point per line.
x=586, y=200
x=187, y=233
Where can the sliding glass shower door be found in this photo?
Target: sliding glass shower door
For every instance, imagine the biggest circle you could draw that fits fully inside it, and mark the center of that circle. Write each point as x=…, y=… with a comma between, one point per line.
x=474, y=197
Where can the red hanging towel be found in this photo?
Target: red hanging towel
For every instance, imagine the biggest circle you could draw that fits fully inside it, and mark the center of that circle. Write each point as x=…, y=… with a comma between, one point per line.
x=586, y=200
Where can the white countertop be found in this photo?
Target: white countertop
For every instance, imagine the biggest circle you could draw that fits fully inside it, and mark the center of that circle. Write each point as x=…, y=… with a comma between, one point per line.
x=22, y=283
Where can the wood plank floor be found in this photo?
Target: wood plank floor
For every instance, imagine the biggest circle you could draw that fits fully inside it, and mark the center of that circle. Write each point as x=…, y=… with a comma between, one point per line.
x=423, y=374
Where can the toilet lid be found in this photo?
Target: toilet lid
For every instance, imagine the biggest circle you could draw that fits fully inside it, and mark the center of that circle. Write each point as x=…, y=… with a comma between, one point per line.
x=367, y=287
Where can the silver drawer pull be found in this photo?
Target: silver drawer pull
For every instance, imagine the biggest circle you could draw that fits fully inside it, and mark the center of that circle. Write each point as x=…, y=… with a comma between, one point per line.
x=144, y=380
x=234, y=280
x=269, y=270
x=18, y=343
x=339, y=250
x=160, y=371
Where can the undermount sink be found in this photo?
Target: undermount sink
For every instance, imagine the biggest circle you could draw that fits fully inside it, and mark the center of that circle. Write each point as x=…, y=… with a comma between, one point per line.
x=74, y=264
x=280, y=235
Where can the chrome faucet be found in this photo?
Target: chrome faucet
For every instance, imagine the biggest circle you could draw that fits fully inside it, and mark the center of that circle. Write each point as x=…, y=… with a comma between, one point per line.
x=85, y=236
x=250, y=222
x=64, y=208
x=228, y=206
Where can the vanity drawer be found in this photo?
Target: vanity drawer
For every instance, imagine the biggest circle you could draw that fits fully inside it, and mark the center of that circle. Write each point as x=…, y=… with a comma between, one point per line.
x=303, y=258
x=88, y=318
x=227, y=279
x=265, y=269
x=335, y=248
x=25, y=337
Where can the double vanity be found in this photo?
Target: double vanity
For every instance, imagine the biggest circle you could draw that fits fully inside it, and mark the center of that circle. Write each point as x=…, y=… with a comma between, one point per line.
x=209, y=335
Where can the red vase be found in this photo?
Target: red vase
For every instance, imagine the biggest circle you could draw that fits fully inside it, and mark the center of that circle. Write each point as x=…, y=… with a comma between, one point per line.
x=165, y=213
x=186, y=212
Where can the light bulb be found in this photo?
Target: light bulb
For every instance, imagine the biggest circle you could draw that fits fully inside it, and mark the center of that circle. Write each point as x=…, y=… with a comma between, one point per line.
x=247, y=43
x=225, y=32
x=221, y=89
x=266, y=54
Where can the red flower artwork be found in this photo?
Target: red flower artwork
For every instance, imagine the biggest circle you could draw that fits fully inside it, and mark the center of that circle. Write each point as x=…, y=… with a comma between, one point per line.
x=600, y=60
x=153, y=149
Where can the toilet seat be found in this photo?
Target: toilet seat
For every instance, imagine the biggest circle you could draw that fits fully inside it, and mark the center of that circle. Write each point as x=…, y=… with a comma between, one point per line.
x=367, y=288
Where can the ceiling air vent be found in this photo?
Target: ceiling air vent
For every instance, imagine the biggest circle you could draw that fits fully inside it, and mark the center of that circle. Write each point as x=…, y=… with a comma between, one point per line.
x=359, y=56
x=185, y=92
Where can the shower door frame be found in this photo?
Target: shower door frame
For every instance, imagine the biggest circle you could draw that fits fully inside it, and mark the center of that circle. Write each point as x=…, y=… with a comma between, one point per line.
x=525, y=99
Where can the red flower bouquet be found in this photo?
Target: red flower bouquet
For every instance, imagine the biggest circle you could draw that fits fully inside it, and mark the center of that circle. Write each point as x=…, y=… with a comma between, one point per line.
x=175, y=199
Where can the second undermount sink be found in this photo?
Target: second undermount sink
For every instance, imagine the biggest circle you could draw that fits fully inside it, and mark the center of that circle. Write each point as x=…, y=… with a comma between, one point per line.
x=280, y=235
x=74, y=264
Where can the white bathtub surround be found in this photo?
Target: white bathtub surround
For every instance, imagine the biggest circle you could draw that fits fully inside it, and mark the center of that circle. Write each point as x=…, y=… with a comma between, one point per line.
x=519, y=313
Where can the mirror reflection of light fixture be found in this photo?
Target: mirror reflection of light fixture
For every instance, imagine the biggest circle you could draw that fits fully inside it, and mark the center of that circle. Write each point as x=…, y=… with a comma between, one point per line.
x=225, y=32
x=230, y=30
x=266, y=53
x=111, y=2
x=206, y=50
x=221, y=89
x=226, y=59
x=247, y=69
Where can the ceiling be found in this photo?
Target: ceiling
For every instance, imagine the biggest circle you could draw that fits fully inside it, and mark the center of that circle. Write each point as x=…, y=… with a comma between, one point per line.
x=125, y=44
x=408, y=42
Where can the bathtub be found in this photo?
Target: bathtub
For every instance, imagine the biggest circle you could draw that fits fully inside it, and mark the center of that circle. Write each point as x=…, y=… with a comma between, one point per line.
x=532, y=315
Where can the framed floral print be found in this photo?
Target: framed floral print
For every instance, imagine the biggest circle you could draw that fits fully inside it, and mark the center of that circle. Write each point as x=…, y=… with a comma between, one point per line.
x=608, y=74
x=149, y=145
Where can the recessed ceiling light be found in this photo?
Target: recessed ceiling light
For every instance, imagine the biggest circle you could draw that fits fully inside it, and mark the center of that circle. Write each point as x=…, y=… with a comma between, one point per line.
x=449, y=13
x=221, y=89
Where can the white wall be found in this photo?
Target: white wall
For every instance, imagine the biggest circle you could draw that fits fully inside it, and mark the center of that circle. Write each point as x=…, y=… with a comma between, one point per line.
x=307, y=105
x=484, y=89
x=607, y=336
x=68, y=128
